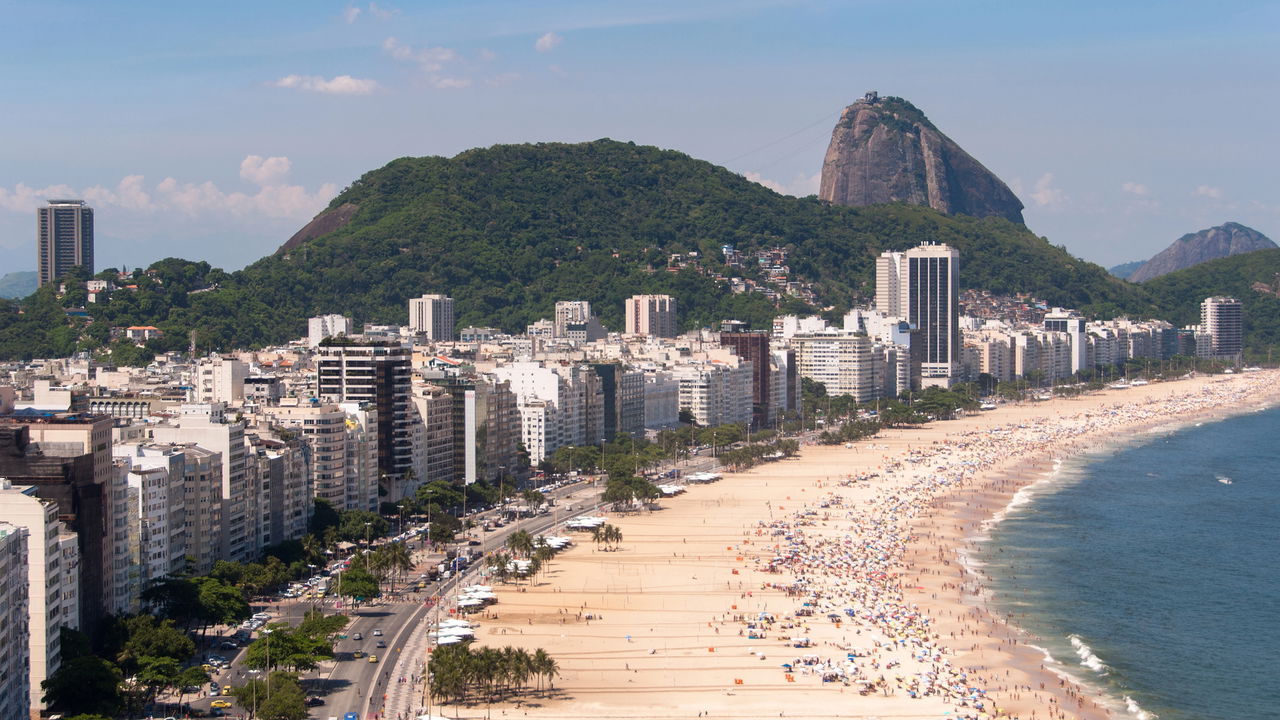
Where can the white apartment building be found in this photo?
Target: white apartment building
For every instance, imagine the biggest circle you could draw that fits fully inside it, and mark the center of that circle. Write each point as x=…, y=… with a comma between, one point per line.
x=338, y=447
x=218, y=379
x=323, y=326
x=842, y=362
x=715, y=393
x=15, y=629
x=661, y=400
x=52, y=580
x=1222, y=318
x=653, y=315
x=432, y=315
x=159, y=502
x=207, y=426
x=433, y=446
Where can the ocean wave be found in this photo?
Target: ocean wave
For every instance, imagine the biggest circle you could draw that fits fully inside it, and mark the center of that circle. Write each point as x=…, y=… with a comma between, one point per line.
x=1136, y=710
x=1087, y=658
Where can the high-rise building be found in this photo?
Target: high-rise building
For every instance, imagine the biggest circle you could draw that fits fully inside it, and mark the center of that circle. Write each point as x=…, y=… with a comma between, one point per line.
x=1067, y=321
x=323, y=326
x=64, y=239
x=653, y=315
x=840, y=361
x=921, y=286
x=1222, y=319
x=432, y=315
x=15, y=660
x=574, y=321
x=754, y=348
x=53, y=585
x=377, y=375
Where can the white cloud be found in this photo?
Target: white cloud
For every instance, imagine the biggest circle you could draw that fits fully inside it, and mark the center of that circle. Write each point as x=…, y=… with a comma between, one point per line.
x=1047, y=196
x=380, y=12
x=264, y=171
x=1134, y=188
x=548, y=42
x=450, y=83
x=1208, y=191
x=800, y=186
x=432, y=59
x=273, y=198
x=350, y=14
x=487, y=55
x=339, y=85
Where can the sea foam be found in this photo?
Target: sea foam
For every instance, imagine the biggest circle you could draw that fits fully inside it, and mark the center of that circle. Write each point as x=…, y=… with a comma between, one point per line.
x=1087, y=658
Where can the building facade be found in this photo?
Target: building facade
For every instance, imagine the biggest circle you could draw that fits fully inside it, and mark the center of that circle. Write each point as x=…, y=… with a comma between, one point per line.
x=432, y=315
x=64, y=239
x=653, y=315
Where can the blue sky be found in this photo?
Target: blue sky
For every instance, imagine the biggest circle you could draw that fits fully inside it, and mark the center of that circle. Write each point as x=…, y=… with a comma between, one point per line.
x=214, y=130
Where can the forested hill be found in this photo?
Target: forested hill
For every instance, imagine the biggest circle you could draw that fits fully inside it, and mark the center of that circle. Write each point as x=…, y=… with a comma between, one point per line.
x=1253, y=278
x=508, y=230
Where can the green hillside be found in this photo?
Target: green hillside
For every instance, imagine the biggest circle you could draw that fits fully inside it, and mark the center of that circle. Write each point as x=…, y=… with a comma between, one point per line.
x=509, y=230
x=1177, y=296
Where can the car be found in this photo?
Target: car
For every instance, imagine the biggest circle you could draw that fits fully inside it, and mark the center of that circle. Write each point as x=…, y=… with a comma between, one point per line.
x=228, y=645
x=357, y=636
x=226, y=689
x=380, y=644
x=357, y=654
x=377, y=632
x=473, y=542
x=373, y=658
x=313, y=701
x=220, y=704
x=351, y=716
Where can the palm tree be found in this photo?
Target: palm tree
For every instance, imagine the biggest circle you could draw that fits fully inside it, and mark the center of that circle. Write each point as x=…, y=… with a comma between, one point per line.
x=499, y=565
x=521, y=543
x=397, y=560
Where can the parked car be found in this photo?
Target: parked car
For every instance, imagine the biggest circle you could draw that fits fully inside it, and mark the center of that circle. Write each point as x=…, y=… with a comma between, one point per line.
x=313, y=701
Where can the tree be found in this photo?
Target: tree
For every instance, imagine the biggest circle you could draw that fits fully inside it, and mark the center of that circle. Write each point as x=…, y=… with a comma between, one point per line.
x=520, y=542
x=358, y=584
x=443, y=528
x=279, y=698
x=353, y=526
x=87, y=684
x=149, y=637
x=220, y=603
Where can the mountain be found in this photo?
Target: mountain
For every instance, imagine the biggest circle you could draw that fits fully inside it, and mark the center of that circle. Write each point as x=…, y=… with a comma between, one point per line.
x=18, y=284
x=1194, y=248
x=885, y=150
x=510, y=229
x=1124, y=270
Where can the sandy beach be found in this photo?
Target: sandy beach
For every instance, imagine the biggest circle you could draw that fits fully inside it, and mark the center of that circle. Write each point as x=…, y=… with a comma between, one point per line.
x=831, y=584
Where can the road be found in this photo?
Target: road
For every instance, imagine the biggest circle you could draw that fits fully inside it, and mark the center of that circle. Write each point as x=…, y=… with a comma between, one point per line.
x=349, y=684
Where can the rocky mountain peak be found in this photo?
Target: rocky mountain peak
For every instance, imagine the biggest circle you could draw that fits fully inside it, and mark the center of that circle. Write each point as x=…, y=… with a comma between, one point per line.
x=884, y=149
x=1224, y=240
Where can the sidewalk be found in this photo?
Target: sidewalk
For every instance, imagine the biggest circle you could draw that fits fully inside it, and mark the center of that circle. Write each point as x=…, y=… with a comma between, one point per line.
x=403, y=699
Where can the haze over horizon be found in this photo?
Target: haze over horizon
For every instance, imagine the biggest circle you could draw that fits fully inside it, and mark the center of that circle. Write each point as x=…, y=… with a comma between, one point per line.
x=215, y=132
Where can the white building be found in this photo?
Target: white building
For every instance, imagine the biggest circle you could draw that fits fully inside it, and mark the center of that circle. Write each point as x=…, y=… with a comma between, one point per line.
x=343, y=456
x=840, y=361
x=1222, y=318
x=323, y=326
x=219, y=379
x=661, y=400
x=653, y=315
x=15, y=624
x=208, y=427
x=52, y=580
x=716, y=393
x=432, y=315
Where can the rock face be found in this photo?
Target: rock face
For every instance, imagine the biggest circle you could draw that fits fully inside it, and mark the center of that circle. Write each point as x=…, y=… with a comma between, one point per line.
x=322, y=224
x=885, y=150
x=1194, y=248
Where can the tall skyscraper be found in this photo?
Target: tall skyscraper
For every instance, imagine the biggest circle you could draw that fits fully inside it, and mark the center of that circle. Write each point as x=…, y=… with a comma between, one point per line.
x=653, y=315
x=1222, y=318
x=433, y=315
x=375, y=375
x=754, y=348
x=64, y=239
x=921, y=286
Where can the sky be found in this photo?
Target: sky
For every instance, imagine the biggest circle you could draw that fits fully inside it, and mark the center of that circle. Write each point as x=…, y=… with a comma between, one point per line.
x=213, y=131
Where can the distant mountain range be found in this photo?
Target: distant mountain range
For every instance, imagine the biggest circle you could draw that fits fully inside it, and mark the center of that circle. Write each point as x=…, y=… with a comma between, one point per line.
x=1194, y=248
x=18, y=284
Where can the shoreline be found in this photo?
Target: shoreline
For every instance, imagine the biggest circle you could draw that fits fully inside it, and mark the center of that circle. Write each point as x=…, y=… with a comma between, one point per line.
x=662, y=643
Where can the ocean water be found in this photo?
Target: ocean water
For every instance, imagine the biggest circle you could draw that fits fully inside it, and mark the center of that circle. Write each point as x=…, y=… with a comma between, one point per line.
x=1151, y=570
